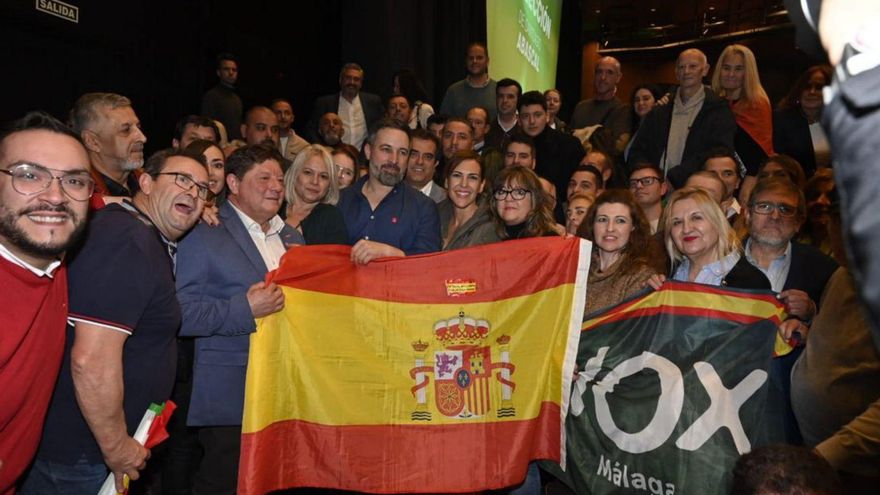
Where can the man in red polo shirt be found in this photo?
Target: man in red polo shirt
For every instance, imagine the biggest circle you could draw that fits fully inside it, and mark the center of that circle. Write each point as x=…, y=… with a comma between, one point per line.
x=39, y=219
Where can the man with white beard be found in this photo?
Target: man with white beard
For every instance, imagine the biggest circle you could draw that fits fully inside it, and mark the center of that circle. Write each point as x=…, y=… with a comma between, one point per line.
x=113, y=138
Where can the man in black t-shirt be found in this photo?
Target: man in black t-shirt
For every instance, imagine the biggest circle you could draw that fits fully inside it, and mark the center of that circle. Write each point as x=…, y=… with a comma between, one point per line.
x=121, y=340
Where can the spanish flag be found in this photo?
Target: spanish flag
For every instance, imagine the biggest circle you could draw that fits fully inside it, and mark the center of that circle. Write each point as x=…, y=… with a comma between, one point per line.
x=445, y=372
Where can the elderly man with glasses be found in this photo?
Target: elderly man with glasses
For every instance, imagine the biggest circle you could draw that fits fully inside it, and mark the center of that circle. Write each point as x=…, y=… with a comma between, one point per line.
x=797, y=272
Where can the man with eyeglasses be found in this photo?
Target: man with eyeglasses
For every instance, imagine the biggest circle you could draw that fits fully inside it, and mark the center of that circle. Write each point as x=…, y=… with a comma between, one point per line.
x=44, y=191
x=121, y=337
x=221, y=292
x=647, y=185
x=797, y=272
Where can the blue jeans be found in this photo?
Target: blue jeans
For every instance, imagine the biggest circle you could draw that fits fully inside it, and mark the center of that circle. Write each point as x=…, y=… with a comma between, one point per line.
x=46, y=477
x=532, y=484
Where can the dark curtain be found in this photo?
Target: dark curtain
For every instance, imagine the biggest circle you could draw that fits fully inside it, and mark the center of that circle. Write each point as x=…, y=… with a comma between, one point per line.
x=160, y=53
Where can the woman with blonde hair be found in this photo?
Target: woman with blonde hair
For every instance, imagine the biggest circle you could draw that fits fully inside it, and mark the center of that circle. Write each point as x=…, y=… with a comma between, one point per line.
x=311, y=191
x=703, y=246
x=736, y=78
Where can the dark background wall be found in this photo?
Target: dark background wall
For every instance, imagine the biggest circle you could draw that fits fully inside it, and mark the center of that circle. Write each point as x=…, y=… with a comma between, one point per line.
x=160, y=53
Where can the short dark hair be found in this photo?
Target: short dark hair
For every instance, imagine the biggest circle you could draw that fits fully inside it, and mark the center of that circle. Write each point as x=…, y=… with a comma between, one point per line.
x=225, y=56
x=518, y=137
x=482, y=109
x=157, y=161
x=37, y=121
x=280, y=100
x=784, y=469
x=600, y=183
x=386, y=123
x=200, y=145
x=531, y=98
x=398, y=95
x=647, y=165
x=426, y=135
x=437, y=118
x=722, y=152
x=242, y=160
x=508, y=82
x=198, y=121
x=461, y=120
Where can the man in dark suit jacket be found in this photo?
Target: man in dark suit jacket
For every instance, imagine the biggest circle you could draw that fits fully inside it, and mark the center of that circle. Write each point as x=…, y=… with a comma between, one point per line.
x=357, y=109
x=798, y=272
x=221, y=291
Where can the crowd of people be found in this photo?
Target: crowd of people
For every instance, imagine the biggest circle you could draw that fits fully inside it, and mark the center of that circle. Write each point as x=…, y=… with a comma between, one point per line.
x=165, y=257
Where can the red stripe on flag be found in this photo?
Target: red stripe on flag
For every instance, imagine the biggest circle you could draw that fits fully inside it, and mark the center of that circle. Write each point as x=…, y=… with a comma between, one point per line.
x=397, y=458
x=490, y=270
x=681, y=311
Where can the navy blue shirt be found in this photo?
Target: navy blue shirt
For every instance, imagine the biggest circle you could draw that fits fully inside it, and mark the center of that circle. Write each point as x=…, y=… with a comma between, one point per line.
x=122, y=279
x=405, y=218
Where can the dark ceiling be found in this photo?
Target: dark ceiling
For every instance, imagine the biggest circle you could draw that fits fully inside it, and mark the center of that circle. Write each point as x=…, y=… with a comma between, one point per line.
x=622, y=24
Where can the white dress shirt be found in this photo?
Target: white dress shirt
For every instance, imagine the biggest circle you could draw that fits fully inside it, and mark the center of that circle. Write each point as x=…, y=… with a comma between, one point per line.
x=353, y=121
x=269, y=243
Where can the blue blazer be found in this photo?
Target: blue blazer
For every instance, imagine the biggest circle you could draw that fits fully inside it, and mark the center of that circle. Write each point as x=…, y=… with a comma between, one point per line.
x=215, y=268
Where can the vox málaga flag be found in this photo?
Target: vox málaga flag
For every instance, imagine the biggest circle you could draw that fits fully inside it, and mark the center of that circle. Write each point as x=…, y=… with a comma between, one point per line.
x=446, y=372
x=674, y=388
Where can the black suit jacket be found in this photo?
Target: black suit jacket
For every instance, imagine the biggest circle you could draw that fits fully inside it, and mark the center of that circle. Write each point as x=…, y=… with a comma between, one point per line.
x=372, y=105
x=810, y=270
x=791, y=136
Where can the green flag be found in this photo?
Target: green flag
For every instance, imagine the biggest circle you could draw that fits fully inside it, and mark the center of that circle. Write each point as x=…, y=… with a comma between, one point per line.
x=674, y=387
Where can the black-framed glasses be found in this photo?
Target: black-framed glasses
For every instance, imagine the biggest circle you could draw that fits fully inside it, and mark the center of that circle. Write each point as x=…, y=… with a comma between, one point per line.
x=29, y=179
x=644, y=181
x=767, y=208
x=517, y=193
x=186, y=183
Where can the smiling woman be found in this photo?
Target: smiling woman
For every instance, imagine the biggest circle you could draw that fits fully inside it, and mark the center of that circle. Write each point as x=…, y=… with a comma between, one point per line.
x=702, y=244
x=464, y=217
x=621, y=238
x=311, y=191
x=520, y=206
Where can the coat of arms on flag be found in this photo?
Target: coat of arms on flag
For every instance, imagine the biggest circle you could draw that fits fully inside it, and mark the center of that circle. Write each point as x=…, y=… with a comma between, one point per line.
x=463, y=371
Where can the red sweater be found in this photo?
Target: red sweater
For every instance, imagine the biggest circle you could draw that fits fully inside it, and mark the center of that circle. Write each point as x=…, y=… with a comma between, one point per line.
x=33, y=319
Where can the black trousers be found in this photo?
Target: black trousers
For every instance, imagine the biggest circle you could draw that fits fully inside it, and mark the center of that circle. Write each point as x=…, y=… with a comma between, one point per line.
x=218, y=471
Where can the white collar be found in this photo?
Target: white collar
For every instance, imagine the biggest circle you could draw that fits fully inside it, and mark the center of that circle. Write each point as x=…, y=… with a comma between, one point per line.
x=275, y=223
x=15, y=260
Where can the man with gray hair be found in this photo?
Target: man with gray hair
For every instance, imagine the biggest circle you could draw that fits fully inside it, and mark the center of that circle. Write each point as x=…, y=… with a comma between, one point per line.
x=677, y=135
x=112, y=134
x=357, y=109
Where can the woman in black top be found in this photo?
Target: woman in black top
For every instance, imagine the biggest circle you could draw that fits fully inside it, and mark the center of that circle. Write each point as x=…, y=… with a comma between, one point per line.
x=311, y=191
x=520, y=206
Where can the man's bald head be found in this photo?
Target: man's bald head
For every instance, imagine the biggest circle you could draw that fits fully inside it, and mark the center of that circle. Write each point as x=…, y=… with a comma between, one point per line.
x=605, y=78
x=690, y=69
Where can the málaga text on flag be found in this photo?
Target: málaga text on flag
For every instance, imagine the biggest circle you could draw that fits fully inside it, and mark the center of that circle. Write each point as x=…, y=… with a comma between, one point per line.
x=445, y=372
x=674, y=387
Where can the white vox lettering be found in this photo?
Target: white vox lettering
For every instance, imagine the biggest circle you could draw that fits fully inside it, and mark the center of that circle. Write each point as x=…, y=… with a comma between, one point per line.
x=665, y=416
x=723, y=410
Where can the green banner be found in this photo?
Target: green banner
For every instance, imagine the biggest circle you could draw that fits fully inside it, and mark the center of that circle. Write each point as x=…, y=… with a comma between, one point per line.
x=672, y=392
x=523, y=41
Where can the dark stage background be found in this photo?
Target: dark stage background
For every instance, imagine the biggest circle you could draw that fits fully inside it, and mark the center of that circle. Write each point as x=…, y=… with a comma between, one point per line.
x=160, y=53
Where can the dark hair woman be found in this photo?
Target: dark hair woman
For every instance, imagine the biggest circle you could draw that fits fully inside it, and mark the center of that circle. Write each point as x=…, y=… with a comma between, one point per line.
x=464, y=216
x=797, y=130
x=621, y=237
